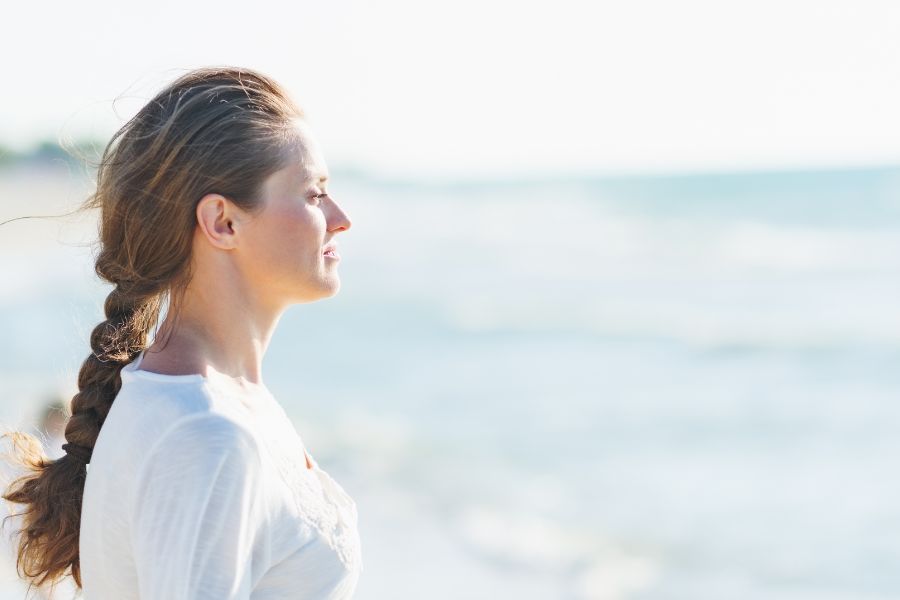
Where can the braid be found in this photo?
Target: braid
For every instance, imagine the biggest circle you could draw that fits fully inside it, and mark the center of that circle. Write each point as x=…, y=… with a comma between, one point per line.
x=114, y=343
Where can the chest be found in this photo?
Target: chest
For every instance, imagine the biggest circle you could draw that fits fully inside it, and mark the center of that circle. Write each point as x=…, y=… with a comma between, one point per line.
x=316, y=503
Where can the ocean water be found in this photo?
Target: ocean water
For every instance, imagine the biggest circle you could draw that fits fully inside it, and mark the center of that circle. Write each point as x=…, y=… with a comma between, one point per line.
x=658, y=388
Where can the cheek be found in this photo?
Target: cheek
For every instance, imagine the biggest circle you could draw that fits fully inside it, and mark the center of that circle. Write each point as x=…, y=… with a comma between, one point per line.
x=290, y=239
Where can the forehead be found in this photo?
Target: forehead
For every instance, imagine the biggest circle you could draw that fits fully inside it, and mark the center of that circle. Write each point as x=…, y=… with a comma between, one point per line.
x=301, y=174
x=307, y=164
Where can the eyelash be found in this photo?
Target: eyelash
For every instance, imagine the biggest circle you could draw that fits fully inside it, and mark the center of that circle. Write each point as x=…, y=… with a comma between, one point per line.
x=317, y=196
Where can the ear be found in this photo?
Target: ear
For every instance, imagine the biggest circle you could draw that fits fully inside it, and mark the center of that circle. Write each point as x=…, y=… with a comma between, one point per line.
x=217, y=218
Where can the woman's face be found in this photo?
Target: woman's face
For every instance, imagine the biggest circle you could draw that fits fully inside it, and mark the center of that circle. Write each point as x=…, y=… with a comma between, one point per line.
x=285, y=244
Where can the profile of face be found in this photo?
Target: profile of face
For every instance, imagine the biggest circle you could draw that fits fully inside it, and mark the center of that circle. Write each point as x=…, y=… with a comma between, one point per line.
x=287, y=253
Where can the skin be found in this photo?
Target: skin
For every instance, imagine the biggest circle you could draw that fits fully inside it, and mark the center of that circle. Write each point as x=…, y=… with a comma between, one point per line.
x=248, y=269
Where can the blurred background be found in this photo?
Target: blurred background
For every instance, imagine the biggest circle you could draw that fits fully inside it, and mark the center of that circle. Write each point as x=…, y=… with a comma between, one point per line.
x=618, y=305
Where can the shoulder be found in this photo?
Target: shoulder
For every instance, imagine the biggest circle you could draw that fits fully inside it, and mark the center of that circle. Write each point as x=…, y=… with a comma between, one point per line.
x=205, y=471
x=206, y=433
x=198, y=453
x=163, y=400
x=149, y=410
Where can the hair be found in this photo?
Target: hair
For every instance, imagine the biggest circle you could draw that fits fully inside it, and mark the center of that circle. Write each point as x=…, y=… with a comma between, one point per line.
x=212, y=130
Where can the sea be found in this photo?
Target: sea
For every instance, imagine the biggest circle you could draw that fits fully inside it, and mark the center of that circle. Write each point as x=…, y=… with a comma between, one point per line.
x=573, y=387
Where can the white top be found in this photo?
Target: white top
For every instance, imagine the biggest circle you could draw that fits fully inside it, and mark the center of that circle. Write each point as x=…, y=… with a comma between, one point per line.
x=198, y=489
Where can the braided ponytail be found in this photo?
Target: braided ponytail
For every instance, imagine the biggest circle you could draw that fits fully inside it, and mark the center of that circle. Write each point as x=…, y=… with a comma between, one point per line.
x=213, y=130
x=52, y=492
x=115, y=343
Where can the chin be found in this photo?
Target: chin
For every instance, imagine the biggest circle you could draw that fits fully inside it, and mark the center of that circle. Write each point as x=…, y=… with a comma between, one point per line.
x=333, y=289
x=320, y=293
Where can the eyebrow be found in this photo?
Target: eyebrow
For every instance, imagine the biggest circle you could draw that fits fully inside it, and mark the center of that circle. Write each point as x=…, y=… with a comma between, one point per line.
x=319, y=178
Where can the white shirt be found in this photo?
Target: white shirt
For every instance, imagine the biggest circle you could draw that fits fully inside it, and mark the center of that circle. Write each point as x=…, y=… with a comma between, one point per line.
x=198, y=489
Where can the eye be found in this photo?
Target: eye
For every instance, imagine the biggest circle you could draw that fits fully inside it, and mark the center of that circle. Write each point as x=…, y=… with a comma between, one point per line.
x=322, y=195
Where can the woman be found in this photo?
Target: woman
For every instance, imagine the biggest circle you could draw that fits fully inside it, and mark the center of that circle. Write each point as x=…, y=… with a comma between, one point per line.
x=213, y=203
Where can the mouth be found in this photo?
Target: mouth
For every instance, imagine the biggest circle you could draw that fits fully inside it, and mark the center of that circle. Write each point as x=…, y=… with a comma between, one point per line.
x=331, y=252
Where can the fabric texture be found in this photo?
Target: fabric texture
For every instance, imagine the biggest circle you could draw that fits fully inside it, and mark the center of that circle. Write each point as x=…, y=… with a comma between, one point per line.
x=198, y=489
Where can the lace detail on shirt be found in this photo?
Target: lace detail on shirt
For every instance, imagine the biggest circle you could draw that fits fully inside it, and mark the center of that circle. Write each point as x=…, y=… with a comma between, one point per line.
x=345, y=532
x=322, y=503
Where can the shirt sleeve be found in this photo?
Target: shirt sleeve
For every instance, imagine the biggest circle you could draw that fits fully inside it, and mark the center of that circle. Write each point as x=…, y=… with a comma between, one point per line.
x=198, y=512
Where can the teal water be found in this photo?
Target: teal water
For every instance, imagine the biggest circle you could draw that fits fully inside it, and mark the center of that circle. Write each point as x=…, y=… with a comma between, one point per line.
x=641, y=388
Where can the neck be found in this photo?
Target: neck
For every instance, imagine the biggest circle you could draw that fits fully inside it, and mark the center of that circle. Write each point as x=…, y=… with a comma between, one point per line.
x=217, y=331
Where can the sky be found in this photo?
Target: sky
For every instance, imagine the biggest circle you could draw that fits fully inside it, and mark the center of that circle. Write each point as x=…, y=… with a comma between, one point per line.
x=486, y=88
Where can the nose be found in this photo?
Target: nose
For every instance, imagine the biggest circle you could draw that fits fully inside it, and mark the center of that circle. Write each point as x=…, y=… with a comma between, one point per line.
x=337, y=219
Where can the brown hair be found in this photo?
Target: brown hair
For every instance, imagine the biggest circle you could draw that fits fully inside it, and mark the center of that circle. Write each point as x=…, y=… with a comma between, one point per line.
x=214, y=129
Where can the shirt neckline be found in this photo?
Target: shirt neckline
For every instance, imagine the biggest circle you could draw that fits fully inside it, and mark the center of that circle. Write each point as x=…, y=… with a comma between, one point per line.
x=133, y=368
